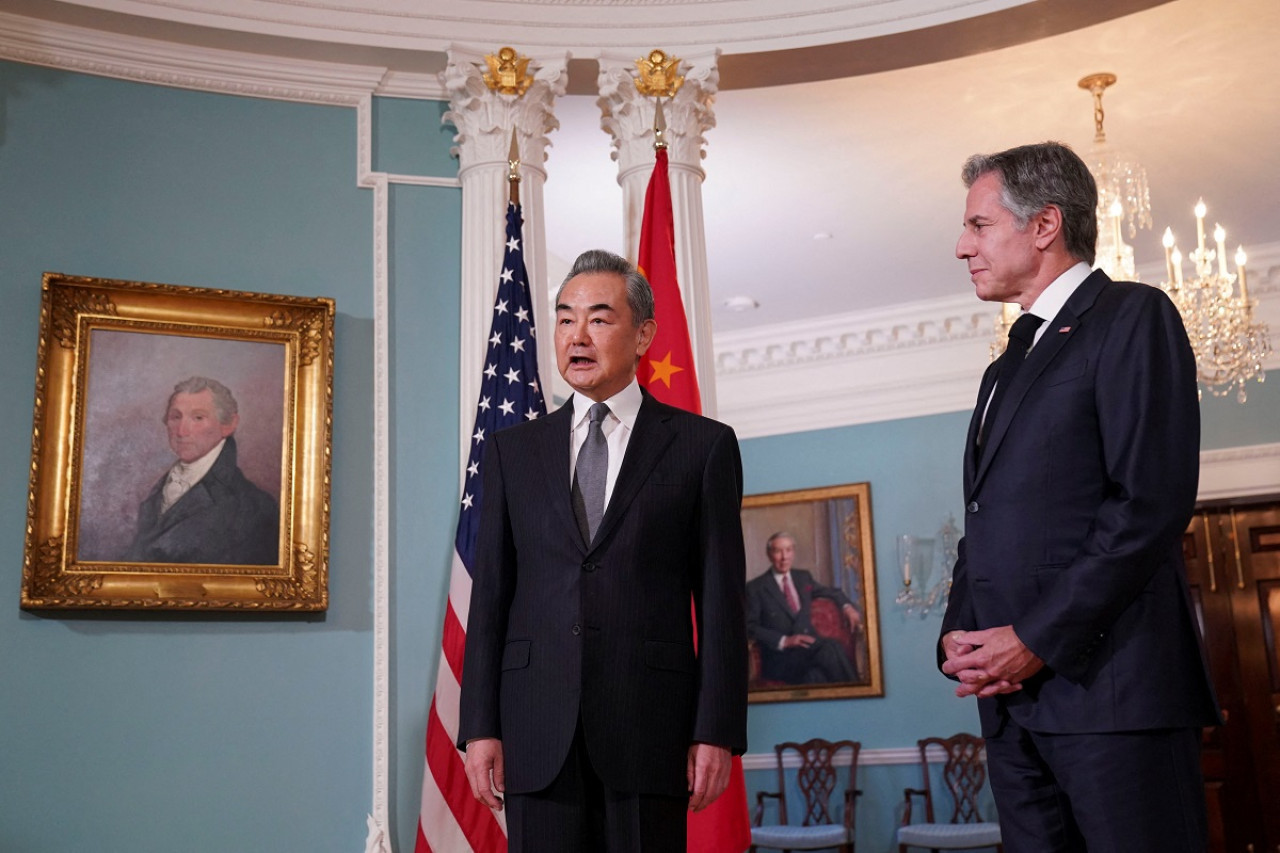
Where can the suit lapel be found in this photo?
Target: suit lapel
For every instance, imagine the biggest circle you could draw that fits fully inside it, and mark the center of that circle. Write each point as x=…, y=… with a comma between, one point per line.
x=551, y=445
x=649, y=440
x=1057, y=333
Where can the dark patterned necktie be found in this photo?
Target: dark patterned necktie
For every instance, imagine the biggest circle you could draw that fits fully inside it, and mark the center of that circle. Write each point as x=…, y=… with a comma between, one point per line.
x=1021, y=336
x=589, y=474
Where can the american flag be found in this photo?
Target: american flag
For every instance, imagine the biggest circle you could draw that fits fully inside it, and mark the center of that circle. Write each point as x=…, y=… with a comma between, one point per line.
x=451, y=820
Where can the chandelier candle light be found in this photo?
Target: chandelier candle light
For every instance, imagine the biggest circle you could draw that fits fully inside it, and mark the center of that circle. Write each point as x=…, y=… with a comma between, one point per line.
x=1229, y=346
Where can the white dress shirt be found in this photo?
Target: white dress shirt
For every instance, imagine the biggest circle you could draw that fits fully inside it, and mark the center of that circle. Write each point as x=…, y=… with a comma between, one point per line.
x=623, y=409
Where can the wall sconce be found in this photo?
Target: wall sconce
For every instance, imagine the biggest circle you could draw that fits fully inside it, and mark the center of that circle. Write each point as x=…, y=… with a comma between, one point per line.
x=920, y=563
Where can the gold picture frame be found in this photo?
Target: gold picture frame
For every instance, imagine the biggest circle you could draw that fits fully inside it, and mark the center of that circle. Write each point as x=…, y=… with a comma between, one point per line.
x=123, y=402
x=831, y=568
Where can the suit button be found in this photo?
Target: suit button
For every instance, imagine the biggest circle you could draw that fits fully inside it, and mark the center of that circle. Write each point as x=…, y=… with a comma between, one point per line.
x=577, y=629
x=972, y=507
x=589, y=567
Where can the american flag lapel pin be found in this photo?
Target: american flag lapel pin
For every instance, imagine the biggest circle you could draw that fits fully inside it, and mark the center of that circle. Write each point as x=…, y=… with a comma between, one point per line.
x=1064, y=330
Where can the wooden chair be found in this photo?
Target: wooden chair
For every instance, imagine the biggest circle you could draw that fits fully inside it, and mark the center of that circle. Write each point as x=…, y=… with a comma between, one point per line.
x=817, y=779
x=964, y=774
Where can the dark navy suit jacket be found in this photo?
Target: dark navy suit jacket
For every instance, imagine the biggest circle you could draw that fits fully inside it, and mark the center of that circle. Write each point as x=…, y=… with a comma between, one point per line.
x=223, y=519
x=559, y=629
x=1075, y=514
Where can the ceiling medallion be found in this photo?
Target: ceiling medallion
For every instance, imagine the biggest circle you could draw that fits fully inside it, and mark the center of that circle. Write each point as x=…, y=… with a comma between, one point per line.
x=508, y=72
x=658, y=75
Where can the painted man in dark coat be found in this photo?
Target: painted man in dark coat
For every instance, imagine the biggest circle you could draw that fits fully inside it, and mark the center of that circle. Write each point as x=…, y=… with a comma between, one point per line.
x=204, y=509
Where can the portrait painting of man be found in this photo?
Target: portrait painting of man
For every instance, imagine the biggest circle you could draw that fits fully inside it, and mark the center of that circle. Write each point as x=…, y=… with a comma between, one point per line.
x=183, y=450
x=811, y=612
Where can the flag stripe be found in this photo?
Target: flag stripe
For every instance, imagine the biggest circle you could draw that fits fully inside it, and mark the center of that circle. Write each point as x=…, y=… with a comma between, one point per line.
x=481, y=828
x=453, y=644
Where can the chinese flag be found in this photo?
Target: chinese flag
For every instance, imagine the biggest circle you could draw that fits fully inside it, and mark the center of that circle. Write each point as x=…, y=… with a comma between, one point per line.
x=667, y=369
x=668, y=373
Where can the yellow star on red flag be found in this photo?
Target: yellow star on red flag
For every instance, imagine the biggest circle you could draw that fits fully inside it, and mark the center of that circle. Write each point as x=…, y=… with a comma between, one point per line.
x=664, y=370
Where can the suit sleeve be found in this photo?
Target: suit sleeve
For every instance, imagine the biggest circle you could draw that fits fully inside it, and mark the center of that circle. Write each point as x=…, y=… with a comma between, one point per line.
x=493, y=578
x=1149, y=428
x=720, y=602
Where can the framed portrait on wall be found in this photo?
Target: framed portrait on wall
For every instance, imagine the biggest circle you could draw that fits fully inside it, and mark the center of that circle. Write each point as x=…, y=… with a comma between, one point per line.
x=180, y=449
x=812, y=620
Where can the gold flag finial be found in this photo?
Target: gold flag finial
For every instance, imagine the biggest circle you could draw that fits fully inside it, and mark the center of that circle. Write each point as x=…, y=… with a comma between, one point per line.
x=508, y=72
x=659, y=75
x=513, y=169
x=659, y=128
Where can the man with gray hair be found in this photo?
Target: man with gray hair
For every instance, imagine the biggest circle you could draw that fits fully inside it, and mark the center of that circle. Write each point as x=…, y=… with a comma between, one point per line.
x=586, y=712
x=204, y=509
x=1069, y=617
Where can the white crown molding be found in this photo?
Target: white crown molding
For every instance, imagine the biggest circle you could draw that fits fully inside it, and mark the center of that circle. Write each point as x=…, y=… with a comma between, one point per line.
x=907, y=360
x=143, y=60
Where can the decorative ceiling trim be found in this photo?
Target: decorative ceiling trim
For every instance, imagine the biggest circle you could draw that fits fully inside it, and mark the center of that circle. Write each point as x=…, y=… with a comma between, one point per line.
x=71, y=48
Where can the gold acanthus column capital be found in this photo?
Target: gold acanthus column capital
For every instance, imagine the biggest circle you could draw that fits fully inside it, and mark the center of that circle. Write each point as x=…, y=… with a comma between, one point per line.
x=484, y=119
x=628, y=117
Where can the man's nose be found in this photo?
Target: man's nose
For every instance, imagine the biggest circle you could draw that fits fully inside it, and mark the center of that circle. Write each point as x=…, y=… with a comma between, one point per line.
x=964, y=247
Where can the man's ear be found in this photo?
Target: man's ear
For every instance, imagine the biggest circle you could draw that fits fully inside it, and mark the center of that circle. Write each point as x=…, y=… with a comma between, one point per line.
x=230, y=426
x=644, y=336
x=1048, y=226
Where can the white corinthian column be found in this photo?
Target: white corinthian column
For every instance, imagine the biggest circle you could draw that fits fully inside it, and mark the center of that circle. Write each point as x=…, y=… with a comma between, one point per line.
x=484, y=119
x=628, y=117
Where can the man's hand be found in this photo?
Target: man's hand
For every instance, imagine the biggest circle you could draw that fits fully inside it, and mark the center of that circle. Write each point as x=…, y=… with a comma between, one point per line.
x=485, y=771
x=798, y=641
x=988, y=662
x=708, y=774
x=855, y=619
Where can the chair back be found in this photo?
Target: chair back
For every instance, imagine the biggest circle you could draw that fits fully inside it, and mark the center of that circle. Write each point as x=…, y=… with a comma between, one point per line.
x=963, y=772
x=817, y=777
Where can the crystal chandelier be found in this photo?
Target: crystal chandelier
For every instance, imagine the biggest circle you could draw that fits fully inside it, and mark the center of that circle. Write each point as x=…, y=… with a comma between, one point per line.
x=1123, y=195
x=1229, y=346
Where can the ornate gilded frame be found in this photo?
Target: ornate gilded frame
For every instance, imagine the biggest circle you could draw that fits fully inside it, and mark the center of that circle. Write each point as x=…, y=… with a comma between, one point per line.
x=295, y=334
x=833, y=537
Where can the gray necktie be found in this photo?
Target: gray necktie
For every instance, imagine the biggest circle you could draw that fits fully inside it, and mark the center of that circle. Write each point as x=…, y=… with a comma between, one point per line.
x=589, y=475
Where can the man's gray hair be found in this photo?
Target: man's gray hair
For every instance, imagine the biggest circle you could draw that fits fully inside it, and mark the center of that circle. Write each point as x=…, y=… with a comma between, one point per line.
x=224, y=404
x=639, y=293
x=781, y=534
x=1033, y=177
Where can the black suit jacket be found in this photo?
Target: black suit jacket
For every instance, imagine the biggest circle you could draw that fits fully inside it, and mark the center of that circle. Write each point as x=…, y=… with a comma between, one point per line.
x=1075, y=514
x=559, y=629
x=223, y=519
x=768, y=617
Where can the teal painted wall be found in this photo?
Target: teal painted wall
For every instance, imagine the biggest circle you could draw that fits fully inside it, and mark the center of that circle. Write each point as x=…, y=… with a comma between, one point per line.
x=149, y=732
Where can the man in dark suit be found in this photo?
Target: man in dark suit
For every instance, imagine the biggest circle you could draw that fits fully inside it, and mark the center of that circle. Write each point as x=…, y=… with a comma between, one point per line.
x=583, y=699
x=1070, y=617
x=778, y=619
x=204, y=509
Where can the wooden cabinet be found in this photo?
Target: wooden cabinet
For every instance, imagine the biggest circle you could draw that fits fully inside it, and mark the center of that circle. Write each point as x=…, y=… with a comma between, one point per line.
x=1233, y=565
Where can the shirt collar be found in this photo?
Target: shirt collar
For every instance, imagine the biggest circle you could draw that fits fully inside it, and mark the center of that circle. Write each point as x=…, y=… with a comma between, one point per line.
x=625, y=405
x=1051, y=300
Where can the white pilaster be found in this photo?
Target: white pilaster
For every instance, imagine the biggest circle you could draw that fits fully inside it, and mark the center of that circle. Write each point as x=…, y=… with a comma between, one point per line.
x=484, y=120
x=627, y=116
